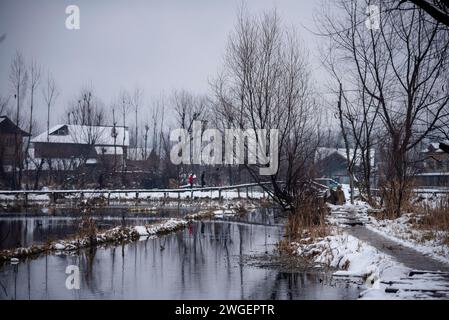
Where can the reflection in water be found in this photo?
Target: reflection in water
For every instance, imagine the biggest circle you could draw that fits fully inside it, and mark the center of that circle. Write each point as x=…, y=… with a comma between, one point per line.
x=28, y=228
x=204, y=262
x=23, y=232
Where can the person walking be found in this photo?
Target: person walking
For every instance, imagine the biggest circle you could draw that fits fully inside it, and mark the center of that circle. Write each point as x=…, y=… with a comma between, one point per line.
x=203, y=181
x=191, y=180
x=217, y=177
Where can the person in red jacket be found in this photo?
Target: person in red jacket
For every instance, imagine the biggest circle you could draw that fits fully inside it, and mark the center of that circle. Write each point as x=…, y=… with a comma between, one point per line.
x=191, y=180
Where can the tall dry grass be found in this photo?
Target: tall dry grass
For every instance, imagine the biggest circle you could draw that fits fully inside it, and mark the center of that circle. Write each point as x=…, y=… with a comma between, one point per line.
x=434, y=216
x=307, y=219
x=88, y=225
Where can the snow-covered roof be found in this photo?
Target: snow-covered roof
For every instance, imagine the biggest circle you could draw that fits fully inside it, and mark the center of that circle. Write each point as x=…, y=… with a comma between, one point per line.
x=324, y=152
x=77, y=134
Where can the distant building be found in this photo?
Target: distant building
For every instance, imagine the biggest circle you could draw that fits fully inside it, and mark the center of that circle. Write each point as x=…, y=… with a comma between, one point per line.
x=11, y=144
x=433, y=167
x=332, y=163
x=71, y=145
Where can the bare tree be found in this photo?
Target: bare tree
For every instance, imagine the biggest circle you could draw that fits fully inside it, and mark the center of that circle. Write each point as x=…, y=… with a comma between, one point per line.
x=87, y=117
x=125, y=101
x=265, y=84
x=4, y=102
x=86, y=110
x=4, y=110
x=145, y=148
x=114, y=136
x=350, y=158
x=155, y=118
x=189, y=108
x=162, y=125
x=357, y=114
x=136, y=101
x=437, y=9
x=19, y=79
x=35, y=77
x=50, y=94
x=403, y=66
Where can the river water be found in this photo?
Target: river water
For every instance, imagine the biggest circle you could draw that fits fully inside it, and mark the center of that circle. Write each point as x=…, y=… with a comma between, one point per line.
x=209, y=260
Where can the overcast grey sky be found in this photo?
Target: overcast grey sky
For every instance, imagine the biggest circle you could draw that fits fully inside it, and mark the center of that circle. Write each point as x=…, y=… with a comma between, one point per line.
x=158, y=45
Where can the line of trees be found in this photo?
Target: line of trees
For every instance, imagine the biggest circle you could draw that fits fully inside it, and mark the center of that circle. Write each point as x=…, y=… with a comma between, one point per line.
x=26, y=81
x=265, y=83
x=22, y=103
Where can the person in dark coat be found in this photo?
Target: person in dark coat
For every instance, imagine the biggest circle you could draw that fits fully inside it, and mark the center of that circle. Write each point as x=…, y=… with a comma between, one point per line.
x=203, y=181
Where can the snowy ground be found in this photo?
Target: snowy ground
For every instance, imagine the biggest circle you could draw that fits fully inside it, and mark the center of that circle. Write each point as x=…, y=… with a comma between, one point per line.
x=379, y=274
x=356, y=260
x=401, y=230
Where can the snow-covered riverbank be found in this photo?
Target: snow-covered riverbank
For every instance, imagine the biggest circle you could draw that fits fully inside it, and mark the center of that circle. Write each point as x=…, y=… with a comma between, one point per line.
x=354, y=259
x=402, y=230
x=112, y=236
x=431, y=243
x=379, y=274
